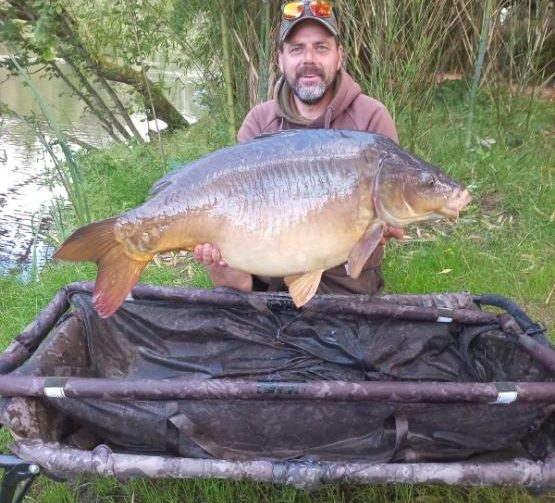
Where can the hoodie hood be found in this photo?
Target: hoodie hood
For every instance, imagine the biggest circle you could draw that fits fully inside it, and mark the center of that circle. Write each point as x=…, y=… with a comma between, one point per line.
x=345, y=92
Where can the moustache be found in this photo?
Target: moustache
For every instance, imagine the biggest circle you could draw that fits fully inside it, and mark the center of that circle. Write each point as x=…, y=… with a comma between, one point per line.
x=310, y=70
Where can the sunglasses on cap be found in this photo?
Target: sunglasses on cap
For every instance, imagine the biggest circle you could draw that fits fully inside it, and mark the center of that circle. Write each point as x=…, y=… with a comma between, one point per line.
x=318, y=8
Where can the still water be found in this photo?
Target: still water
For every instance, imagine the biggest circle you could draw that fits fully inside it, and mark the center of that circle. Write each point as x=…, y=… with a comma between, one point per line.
x=25, y=195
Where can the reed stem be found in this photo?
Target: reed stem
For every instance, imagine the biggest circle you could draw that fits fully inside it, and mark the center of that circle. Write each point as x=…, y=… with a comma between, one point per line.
x=484, y=34
x=228, y=75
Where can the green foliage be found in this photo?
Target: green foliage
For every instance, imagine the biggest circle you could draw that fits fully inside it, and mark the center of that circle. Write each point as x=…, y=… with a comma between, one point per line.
x=109, y=29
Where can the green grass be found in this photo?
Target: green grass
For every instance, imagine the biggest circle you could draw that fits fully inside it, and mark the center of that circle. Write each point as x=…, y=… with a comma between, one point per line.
x=504, y=243
x=219, y=491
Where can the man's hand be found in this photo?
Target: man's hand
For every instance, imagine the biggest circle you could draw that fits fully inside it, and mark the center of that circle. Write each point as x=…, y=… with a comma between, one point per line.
x=392, y=232
x=219, y=272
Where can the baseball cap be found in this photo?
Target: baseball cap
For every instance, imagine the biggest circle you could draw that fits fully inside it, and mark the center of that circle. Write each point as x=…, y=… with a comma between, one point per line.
x=294, y=12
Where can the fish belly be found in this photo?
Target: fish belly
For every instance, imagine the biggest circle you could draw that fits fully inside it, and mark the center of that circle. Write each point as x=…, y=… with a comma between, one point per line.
x=268, y=258
x=319, y=241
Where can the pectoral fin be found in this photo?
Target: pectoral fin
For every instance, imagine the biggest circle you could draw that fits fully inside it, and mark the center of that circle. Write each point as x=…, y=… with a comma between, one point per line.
x=363, y=249
x=302, y=287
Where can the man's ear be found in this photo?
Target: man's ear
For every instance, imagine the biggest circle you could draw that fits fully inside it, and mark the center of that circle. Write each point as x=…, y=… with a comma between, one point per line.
x=280, y=62
x=340, y=52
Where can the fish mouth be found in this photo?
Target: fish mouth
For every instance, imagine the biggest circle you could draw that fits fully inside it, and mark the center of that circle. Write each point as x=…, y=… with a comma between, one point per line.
x=460, y=200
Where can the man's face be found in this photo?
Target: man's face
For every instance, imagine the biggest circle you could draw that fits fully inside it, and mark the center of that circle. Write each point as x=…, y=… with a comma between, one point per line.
x=310, y=60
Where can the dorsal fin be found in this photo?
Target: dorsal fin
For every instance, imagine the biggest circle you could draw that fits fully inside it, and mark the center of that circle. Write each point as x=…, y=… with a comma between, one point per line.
x=163, y=183
x=288, y=132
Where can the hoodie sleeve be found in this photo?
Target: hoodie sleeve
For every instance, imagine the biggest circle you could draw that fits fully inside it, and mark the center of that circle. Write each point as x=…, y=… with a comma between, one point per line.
x=250, y=127
x=381, y=122
x=371, y=115
x=262, y=119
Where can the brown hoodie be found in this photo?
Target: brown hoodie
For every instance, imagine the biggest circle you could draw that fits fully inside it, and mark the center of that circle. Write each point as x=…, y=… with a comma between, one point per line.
x=349, y=109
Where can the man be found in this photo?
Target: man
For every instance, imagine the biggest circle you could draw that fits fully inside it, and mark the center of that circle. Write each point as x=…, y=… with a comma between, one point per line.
x=314, y=92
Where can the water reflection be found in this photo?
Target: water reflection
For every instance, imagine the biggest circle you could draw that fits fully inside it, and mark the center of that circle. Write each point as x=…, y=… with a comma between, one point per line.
x=24, y=196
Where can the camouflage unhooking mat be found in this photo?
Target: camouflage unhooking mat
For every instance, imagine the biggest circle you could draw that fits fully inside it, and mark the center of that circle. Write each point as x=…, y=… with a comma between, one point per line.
x=229, y=377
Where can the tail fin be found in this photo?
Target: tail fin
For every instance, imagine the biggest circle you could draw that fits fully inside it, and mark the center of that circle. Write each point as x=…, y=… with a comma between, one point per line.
x=118, y=272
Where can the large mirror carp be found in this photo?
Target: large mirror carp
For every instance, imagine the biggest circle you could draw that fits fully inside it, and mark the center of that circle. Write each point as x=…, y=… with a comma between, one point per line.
x=291, y=205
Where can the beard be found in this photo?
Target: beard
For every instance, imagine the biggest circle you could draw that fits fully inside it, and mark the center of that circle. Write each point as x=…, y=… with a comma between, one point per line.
x=312, y=93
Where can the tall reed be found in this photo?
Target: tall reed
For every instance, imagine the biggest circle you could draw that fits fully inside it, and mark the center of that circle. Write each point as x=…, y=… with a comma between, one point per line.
x=484, y=35
x=68, y=172
x=227, y=71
